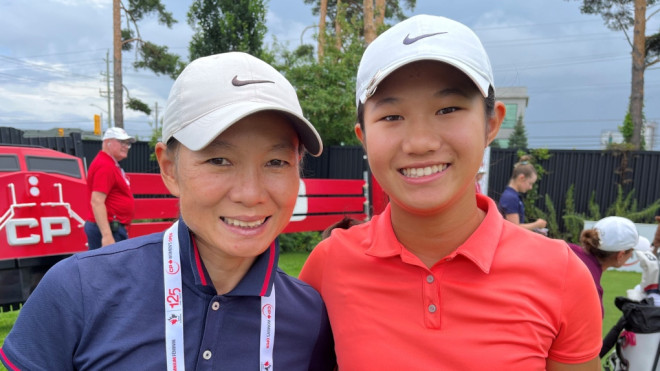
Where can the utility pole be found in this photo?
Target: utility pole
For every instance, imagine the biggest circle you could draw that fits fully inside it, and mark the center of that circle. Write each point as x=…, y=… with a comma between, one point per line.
x=116, y=51
x=107, y=79
x=156, y=116
x=107, y=93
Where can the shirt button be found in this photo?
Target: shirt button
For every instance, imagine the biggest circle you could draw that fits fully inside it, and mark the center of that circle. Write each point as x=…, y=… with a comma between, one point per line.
x=215, y=305
x=432, y=308
x=429, y=278
x=207, y=354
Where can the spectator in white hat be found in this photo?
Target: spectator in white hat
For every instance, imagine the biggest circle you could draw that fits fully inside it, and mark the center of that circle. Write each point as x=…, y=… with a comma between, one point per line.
x=480, y=175
x=439, y=280
x=609, y=244
x=207, y=294
x=111, y=199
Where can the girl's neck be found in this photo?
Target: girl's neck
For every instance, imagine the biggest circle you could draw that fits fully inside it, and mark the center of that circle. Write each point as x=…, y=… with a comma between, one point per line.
x=512, y=184
x=432, y=237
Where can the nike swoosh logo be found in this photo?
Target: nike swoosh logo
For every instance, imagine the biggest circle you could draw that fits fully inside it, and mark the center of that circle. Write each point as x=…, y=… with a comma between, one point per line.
x=236, y=82
x=408, y=40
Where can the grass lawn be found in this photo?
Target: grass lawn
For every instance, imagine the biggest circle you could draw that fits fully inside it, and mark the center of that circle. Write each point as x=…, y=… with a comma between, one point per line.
x=6, y=322
x=614, y=284
x=292, y=262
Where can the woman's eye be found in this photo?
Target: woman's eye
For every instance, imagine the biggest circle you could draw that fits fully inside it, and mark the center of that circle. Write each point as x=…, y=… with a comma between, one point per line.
x=277, y=163
x=219, y=161
x=447, y=110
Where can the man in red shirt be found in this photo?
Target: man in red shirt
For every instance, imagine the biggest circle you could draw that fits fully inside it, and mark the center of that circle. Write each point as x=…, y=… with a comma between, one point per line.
x=110, y=192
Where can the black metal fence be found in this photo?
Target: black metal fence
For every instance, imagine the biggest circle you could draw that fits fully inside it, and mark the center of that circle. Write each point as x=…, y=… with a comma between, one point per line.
x=591, y=171
x=588, y=171
x=71, y=144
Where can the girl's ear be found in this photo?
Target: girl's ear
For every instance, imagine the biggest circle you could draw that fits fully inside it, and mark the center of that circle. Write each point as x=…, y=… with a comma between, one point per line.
x=358, y=132
x=167, y=164
x=495, y=122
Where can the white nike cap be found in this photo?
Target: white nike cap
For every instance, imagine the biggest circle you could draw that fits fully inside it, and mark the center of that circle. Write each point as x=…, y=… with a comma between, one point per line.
x=616, y=234
x=423, y=37
x=117, y=133
x=214, y=92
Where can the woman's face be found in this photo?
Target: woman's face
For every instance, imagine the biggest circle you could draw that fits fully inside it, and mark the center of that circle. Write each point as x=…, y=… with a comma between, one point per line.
x=622, y=257
x=238, y=193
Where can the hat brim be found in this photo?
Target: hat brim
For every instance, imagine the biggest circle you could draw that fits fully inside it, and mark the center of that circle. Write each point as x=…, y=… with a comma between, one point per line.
x=129, y=138
x=203, y=130
x=479, y=80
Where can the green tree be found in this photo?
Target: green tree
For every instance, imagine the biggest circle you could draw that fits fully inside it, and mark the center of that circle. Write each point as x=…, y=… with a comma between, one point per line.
x=227, y=25
x=326, y=88
x=627, y=129
x=150, y=56
x=518, y=138
x=624, y=15
x=354, y=9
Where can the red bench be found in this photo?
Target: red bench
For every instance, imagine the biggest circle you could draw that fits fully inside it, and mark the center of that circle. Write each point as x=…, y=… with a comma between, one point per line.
x=321, y=202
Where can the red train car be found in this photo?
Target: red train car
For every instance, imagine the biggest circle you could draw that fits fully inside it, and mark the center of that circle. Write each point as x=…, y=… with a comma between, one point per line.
x=43, y=202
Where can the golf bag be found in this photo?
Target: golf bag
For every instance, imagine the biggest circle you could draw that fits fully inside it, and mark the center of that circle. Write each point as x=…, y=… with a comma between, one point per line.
x=636, y=335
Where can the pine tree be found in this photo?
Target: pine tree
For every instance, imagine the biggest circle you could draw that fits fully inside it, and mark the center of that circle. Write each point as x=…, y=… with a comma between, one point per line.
x=518, y=138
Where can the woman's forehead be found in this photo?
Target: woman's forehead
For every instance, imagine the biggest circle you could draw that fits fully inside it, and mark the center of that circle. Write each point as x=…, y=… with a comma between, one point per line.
x=263, y=126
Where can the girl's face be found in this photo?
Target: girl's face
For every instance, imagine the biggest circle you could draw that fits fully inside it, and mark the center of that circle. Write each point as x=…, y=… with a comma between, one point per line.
x=425, y=132
x=238, y=193
x=525, y=184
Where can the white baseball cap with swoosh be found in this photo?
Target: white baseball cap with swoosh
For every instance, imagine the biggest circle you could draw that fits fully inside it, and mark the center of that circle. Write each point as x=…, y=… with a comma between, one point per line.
x=214, y=92
x=423, y=37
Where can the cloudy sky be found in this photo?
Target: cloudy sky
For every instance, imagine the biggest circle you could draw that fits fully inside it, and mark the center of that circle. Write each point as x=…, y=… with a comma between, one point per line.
x=577, y=72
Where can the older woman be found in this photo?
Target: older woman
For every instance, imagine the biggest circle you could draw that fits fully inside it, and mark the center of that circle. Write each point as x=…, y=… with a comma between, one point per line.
x=207, y=294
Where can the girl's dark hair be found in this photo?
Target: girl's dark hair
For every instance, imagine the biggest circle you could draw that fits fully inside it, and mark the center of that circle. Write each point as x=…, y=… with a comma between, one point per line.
x=590, y=241
x=345, y=223
x=524, y=166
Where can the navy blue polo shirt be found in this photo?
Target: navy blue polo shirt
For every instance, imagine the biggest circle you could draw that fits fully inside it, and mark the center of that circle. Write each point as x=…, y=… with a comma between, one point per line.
x=104, y=310
x=511, y=202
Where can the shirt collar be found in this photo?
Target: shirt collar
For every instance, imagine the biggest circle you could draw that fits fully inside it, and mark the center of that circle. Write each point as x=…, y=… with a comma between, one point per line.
x=110, y=157
x=258, y=281
x=479, y=248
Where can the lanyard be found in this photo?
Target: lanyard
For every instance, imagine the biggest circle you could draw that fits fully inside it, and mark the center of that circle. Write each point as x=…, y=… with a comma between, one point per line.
x=173, y=300
x=174, y=309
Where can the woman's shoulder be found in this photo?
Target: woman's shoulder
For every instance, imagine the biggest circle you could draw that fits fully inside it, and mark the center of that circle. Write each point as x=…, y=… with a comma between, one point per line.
x=296, y=291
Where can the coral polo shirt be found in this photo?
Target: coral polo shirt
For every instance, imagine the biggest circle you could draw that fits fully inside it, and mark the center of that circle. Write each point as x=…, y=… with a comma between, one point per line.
x=506, y=299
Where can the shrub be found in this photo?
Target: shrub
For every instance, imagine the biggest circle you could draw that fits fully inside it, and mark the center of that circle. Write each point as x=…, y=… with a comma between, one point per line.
x=299, y=242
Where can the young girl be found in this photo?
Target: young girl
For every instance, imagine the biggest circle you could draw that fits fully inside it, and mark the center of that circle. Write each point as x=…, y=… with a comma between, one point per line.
x=439, y=281
x=207, y=294
x=511, y=203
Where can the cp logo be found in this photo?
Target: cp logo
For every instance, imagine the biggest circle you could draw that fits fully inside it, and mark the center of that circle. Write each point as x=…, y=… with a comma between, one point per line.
x=47, y=230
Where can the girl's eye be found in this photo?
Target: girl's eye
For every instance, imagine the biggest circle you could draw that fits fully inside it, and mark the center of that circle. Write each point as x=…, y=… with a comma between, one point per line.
x=278, y=163
x=447, y=110
x=392, y=118
x=221, y=161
